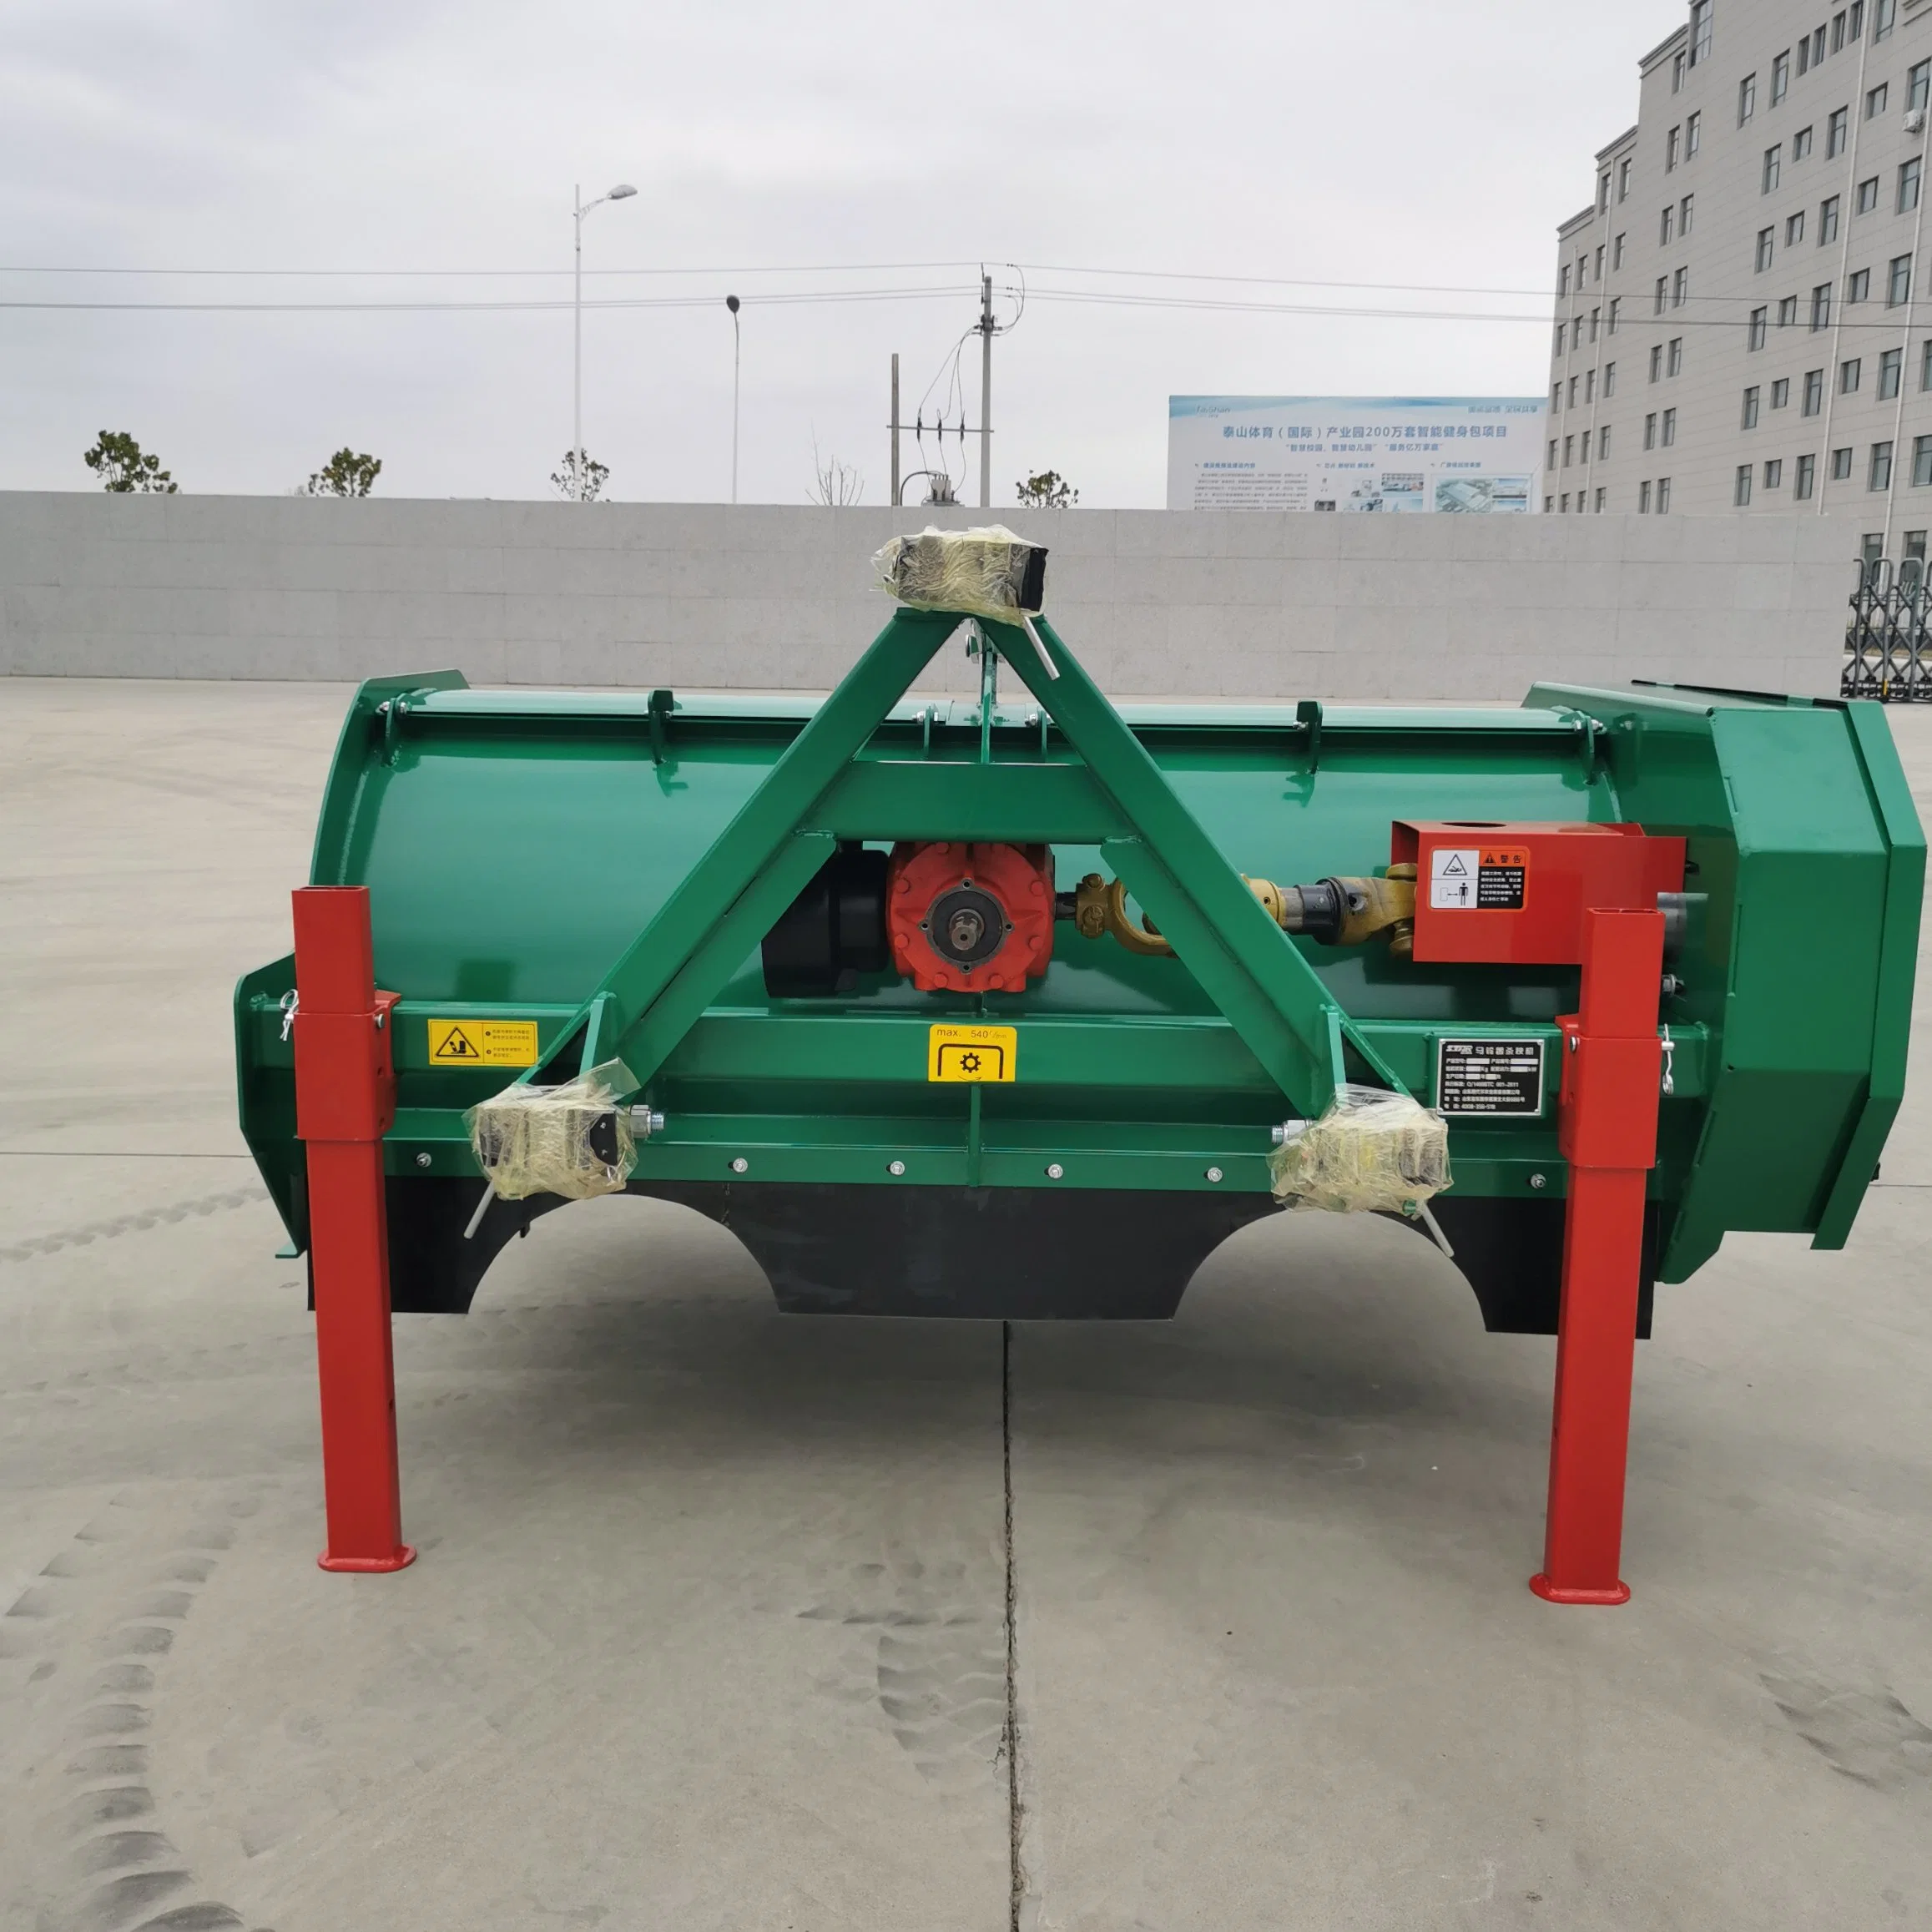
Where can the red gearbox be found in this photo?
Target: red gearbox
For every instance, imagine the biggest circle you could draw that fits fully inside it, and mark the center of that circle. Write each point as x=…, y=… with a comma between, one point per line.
x=971, y=919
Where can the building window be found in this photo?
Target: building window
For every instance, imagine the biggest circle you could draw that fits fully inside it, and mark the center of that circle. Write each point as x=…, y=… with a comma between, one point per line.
x=1668, y=429
x=1849, y=373
x=1761, y=260
x=1858, y=20
x=1794, y=229
x=1884, y=13
x=1609, y=380
x=1569, y=450
x=1550, y=461
x=1602, y=498
x=1803, y=52
x=1602, y=193
x=1780, y=77
x=1788, y=312
x=1643, y=499
x=1617, y=252
x=1804, y=478
x=1650, y=431
x=1657, y=359
x=1662, y=289
x=1600, y=261
x=1774, y=473
x=1834, y=132
x=1875, y=101
x=1624, y=179
x=1821, y=306
x=1749, y=415
x=1700, y=31
x=1566, y=503
x=1773, y=167
x=1921, y=462
x=1915, y=546
x=1781, y=393
x=1615, y=315
x=1694, y=135
x=1685, y=209
x=1754, y=337
x=1828, y=221
x=1919, y=85
x=1741, y=488
x=1673, y=147
x=1891, y=370
x=1909, y=175
x=1841, y=465
x=1590, y=385
x=1595, y=316
x=1563, y=281
x=1603, y=442
x=1878, y=471
x=1678, y=75
x=1747, y=98
x=1813, y=391
x=1838, y=30
x=1801, y=144
x=1868, y=195
x=1858, y=285
x=1680, y=287
x=1673, y=356
x=1898, y=281
x=1573, y=381
x=1549, y=506
x=1666, y=225
x=1555, y=397
x=1663, y=495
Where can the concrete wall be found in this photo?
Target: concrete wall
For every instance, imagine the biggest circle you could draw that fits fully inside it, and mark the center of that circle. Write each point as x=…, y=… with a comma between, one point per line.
x=1155, y=602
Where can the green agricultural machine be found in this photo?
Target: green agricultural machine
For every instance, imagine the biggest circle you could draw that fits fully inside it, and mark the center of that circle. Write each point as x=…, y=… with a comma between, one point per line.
x=1017, y=1007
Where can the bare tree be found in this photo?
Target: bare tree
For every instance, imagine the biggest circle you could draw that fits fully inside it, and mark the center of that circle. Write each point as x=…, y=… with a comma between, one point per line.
x=834, y=484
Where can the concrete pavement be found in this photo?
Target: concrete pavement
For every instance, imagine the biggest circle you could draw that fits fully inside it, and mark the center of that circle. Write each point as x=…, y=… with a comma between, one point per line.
x=710, y=1625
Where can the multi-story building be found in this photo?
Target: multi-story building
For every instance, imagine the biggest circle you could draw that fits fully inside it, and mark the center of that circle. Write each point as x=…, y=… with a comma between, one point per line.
x=1735, y=309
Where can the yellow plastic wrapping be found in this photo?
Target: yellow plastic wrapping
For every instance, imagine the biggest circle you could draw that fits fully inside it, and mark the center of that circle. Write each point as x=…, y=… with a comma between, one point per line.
x=987, y=572
x=1372, y=1151
x=535, y=1140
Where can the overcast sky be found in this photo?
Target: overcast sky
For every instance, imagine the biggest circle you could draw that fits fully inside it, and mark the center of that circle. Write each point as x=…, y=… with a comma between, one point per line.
x=1410, y=143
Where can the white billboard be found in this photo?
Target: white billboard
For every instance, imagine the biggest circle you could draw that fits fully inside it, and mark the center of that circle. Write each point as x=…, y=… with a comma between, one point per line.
x=1457, y=454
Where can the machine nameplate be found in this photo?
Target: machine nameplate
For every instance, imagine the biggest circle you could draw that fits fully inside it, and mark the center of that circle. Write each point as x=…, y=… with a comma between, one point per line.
x=971, y=1053
x=482, y=1042
x=1489, y=1076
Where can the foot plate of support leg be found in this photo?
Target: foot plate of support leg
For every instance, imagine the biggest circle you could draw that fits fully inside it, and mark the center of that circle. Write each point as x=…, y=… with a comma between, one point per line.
x=1558, y=1593
x=404, y=1556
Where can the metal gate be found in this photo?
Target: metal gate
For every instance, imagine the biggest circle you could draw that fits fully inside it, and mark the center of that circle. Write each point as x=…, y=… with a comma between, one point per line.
x=1887, y=648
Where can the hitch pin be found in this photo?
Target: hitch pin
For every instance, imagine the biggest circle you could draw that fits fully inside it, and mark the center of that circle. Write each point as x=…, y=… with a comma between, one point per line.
x=1670, y=1050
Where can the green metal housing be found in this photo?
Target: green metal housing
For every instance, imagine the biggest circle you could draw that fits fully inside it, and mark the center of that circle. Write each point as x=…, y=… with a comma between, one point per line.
x=606, y=865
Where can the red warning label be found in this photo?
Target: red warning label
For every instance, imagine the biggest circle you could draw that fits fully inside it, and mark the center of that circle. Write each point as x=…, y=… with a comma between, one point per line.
x=1501, y=877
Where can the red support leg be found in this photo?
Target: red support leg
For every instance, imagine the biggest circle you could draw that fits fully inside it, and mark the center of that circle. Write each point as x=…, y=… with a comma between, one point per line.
x=1607, y=1131
x=345, y=1102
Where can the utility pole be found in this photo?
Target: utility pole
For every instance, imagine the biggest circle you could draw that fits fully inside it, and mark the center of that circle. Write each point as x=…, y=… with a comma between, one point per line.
x=898, y=495
x=986, y=392
x=731, y=303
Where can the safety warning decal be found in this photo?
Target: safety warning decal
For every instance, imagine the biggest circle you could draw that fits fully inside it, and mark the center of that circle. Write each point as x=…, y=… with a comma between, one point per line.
x=971, y=1052
x=1478, y=878
x=482, y=1042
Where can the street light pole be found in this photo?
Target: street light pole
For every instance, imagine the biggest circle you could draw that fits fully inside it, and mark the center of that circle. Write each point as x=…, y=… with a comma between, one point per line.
x=731, y=303
x=580, y=208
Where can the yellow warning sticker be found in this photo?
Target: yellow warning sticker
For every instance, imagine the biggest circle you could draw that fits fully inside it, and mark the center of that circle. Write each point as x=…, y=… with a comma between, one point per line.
x=971, y=1052
x=482, y=1042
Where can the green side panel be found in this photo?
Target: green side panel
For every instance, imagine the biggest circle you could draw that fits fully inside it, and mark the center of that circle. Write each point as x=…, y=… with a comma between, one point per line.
x=1799, y=961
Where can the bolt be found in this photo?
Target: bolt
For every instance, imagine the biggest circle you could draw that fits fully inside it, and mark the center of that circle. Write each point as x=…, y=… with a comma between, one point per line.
x=895, y=1168
x=423, y=1160
x=1538, y=1181
x=740, y=1165
x=1214, y=1173
x=1055, y=1172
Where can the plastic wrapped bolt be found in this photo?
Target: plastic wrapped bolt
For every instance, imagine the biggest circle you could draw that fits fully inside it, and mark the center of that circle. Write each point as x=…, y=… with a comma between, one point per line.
x=983, y=572
x=1372, y=1151
x=572, y=1140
